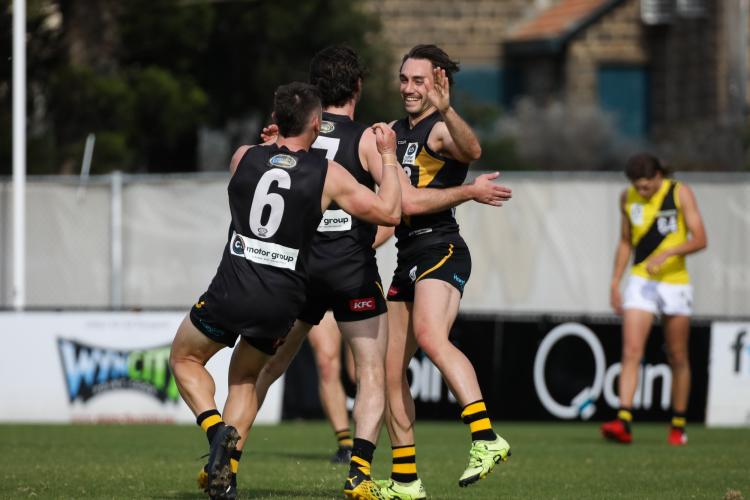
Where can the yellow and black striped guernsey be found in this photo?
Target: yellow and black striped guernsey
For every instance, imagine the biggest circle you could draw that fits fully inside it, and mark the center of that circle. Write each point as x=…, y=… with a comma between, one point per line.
x=657, y=224
x=426, y=168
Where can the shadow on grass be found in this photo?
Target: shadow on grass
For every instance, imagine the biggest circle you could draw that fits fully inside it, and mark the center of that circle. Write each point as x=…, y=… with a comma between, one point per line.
x=326, y=492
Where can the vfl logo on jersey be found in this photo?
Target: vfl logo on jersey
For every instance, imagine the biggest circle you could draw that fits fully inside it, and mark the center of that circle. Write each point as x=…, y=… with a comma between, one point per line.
x=327, y=127
x=335, y=220
x=413, y=274
x=410, y=157
x=238, y=247
x=359, y=305
x=636, y=214
x=283, y=161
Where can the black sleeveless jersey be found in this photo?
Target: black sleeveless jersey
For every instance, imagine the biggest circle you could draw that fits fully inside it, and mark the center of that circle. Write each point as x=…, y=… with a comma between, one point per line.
x=425, y=168
x=341, y=236
x=274, y=199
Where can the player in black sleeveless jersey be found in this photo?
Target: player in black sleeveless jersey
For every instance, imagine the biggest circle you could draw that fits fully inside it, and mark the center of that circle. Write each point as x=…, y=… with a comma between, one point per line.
x=343, y=270
x=277, y=195
x=435, y=146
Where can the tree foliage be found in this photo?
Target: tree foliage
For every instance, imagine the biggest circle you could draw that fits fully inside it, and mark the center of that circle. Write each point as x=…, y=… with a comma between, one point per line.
x=146, y=75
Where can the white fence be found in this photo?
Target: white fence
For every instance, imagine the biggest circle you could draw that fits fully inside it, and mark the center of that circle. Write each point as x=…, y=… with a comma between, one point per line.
x=156, y=242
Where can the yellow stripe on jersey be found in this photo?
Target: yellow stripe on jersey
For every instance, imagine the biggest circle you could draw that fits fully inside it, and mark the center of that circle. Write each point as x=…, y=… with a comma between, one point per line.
x=642, y=214
x=429, y=166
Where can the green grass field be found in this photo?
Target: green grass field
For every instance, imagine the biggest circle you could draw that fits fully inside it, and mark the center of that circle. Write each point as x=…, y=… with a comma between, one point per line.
x=565, y=460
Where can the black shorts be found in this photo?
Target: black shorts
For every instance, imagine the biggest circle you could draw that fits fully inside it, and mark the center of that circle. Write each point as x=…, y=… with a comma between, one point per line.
x=353, y=304
x=447, y=259
x=265, y=336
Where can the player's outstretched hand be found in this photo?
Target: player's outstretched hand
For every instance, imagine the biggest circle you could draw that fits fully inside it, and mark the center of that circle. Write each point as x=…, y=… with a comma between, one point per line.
x=491, y=193
x=438, y=92
x=269, y=133
x=385, y=138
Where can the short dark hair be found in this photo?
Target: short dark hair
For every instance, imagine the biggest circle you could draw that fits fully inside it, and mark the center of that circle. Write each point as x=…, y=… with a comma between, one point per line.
x=644, y=166
x=336, y=71
x=436, y=56
x=293, y=104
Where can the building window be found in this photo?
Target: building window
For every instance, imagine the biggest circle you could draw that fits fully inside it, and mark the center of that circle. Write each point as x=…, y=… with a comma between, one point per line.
x=624, y=92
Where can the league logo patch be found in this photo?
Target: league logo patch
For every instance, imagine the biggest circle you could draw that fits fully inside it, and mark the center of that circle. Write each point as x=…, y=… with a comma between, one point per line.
x=636, y=214
x=359, y=305
x=238, y=247
x=410, y=157
x=413, y=274
x=283, y=161
x=327, y=127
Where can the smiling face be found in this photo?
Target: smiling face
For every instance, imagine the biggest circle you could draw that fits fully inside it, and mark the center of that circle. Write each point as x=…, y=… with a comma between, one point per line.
x=648, y=187
x=414, y=73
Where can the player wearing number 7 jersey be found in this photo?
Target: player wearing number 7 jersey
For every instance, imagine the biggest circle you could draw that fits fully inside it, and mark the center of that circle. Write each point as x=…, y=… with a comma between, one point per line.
x=343, y=270
x=277, y=195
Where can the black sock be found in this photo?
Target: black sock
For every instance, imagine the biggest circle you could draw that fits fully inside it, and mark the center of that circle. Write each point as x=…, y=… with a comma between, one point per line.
x=210, y=421
x=362, y=453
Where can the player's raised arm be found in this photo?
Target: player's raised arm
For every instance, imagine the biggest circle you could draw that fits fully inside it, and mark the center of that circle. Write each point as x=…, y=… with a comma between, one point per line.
x=453, y=137
x=383, y=208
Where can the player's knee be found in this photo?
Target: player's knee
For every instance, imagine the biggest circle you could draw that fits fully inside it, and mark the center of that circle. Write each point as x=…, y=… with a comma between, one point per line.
x=678, y=358
x=329, y=369
x=632, y=353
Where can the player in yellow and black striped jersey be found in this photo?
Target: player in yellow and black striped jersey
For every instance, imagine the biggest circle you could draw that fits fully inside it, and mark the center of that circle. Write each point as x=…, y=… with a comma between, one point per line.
x=434, y=147
x=661, y=224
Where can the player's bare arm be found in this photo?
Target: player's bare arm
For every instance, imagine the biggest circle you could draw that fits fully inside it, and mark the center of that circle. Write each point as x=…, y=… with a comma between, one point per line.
x=452, y=137
x=237, y=157
x=383, y=234
x=383, y=208
x=622, y=255
x=694, y=224
x=430, y=200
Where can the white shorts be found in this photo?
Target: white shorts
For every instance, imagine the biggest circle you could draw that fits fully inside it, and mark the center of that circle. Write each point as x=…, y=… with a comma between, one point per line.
x=657, y=297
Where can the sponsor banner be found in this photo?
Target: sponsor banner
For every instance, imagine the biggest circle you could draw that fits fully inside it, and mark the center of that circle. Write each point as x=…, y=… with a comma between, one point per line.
x=100, y=367
x=729, y=375
x=335, y=220
x=538, y=369
x=263, y=252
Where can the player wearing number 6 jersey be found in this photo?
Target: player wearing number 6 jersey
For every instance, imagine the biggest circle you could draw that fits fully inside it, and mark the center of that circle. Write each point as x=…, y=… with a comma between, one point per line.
x=658, y=214
x=277, y=195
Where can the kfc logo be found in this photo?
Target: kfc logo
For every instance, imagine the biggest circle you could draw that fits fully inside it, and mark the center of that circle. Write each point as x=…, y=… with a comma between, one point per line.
x=392, y=291
x=358, y=305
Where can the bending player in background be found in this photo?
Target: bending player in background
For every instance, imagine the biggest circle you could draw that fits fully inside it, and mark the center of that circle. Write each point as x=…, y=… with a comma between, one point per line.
x=658, y=214
x=435, y=146
x=343, y=271
x=277, y=195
